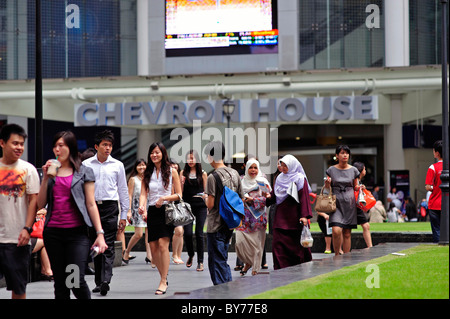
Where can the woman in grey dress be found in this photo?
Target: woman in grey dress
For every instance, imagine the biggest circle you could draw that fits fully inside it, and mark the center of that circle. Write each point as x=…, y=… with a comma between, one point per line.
x=343, y=179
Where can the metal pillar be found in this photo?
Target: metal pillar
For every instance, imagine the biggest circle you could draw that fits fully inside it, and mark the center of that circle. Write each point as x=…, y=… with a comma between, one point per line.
x=445, y=139
x=39, y=136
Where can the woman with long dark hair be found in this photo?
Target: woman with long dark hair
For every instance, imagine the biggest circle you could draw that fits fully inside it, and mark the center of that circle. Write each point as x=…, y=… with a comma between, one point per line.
x=157, y=188
x=193, y=183
x=71, y=207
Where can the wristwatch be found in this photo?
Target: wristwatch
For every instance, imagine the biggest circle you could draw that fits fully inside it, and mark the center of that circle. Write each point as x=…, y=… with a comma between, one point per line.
x=101, y=231
x=28, y=229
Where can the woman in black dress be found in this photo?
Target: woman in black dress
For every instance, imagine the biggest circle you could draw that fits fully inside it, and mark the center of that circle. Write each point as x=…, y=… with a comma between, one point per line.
x=193, y=183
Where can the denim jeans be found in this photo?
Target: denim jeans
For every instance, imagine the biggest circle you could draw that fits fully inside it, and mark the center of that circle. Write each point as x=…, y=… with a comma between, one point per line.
x=218, y=244
x=435, y=221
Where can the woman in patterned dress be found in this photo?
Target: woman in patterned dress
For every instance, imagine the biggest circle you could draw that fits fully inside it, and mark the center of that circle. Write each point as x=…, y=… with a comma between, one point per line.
x=251, y=236
x=134, y=218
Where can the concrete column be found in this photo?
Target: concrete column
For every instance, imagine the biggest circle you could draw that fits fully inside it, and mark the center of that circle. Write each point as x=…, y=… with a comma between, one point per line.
x=145, y=139
x=17, y=45
x=128, y=51
x=142, y=37
x=393, y=143
x=396, y=15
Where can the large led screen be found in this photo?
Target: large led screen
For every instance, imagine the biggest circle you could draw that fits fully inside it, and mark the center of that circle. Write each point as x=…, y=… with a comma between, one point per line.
x=220, y=27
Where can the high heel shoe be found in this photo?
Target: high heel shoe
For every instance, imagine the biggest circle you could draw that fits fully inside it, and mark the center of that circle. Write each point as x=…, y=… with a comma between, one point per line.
x=162, y=292
x=129, y=256
x=147, y=260
x=159, y=292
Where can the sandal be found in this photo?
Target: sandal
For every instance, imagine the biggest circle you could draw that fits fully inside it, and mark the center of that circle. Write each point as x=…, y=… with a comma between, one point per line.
x=244, y=270
x=160, y=292
x=200, y=267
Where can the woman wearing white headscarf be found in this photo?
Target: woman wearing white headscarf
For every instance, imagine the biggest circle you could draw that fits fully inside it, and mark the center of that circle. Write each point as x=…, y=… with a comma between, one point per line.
x=251, y=236
x=291, y=215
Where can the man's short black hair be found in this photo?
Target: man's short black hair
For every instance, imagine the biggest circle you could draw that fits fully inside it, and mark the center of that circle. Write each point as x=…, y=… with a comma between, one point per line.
x=8, y=129
x=216, y=150
x=105, y=135
x=437, y=146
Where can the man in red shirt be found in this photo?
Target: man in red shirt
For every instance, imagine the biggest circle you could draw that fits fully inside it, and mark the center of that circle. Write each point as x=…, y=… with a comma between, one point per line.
x=432, y=183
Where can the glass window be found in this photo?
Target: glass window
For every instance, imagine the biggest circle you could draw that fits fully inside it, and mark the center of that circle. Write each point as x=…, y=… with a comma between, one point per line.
x=93, y=38
x=425, y=32
x=341, y=34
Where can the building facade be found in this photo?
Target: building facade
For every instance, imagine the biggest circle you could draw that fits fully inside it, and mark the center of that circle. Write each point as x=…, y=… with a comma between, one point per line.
x=365, y=73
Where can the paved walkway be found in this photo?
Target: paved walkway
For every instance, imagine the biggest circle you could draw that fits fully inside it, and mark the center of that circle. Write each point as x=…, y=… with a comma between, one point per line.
x=139, y=281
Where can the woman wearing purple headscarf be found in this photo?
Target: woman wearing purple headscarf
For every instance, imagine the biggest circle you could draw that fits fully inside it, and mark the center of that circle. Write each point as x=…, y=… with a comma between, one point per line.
x=291, y=214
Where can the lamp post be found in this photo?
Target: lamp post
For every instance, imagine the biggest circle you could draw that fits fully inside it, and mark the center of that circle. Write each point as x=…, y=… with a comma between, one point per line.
x=39, y=136
x=443, y=239
x=228, y=109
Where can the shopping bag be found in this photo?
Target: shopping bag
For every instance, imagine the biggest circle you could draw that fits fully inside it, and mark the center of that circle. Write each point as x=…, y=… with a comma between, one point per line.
x=368, y=200
x=306, y=239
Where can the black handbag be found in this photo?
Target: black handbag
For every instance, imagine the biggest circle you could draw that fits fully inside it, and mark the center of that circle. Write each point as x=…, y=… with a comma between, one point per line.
x=179, y=213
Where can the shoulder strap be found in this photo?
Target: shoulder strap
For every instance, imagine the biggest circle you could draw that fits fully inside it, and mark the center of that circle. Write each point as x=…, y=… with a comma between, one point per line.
x=219, y=183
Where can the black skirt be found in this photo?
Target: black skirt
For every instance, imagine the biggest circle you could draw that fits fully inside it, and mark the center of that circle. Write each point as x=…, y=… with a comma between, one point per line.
x=156, y=224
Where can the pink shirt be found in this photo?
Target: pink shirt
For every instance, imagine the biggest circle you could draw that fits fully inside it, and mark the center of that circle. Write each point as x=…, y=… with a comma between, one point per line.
x=65, y=212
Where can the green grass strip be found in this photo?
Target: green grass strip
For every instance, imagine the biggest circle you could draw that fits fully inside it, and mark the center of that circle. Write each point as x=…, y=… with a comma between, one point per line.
x=374, y=227
x=422, y=273
x=389, y=227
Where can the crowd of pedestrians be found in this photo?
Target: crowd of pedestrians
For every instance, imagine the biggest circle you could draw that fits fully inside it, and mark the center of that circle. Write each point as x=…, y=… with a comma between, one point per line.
x=89, y=201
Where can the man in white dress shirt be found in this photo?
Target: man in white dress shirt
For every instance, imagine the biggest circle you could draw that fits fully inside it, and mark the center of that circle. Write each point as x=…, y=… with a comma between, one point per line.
x=110, y=191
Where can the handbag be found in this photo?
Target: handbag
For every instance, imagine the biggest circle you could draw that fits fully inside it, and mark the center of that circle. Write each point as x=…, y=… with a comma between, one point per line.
x=179, y=213
x=38, y=228
x=326, y=203
x=364, y=199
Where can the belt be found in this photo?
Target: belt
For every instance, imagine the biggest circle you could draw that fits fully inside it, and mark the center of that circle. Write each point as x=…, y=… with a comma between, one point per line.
x=103, y=202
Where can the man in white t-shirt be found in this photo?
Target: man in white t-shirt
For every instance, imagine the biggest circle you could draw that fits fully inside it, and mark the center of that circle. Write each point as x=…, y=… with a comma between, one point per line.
x=19, y=186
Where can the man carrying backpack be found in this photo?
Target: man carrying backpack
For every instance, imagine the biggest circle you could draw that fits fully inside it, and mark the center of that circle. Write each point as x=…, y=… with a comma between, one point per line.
x=218, y=232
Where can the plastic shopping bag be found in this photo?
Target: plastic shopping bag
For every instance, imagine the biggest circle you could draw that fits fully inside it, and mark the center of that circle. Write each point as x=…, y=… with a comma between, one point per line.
x=306, y=239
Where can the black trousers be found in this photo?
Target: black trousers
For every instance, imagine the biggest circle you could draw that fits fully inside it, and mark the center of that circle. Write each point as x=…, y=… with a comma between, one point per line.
x=103, y=263
x=200, y=217
x=68, y=249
